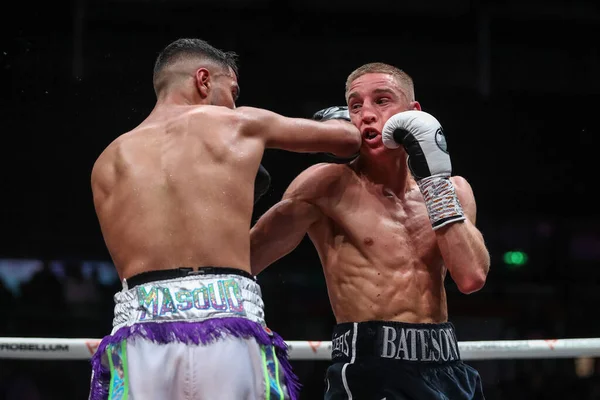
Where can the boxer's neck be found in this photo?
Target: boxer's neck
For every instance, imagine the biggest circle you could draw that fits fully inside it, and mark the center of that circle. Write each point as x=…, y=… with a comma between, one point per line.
x=180, y=96
x=390, y=172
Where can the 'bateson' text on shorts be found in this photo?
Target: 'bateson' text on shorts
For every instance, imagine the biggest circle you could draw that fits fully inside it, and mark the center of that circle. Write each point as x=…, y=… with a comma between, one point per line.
x=395, y=341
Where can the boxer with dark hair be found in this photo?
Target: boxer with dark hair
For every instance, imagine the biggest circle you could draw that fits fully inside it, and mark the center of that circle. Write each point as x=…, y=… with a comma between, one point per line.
x=387, y=226
x=174, y=198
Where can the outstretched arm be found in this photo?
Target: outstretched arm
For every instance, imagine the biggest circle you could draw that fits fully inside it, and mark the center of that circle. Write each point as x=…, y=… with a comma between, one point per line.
x=301, y=135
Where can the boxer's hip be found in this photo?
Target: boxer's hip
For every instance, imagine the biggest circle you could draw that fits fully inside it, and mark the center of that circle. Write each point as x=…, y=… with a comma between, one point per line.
x=199, y=334
x=183, y=295
x=391, y=341
x=228, y=368
x=395, y=360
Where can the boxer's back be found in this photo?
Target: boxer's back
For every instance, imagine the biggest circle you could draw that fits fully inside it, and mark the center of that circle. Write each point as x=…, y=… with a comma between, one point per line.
x=177, y=191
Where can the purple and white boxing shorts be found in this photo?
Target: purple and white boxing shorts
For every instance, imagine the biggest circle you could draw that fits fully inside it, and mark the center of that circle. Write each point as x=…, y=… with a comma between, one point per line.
x=182, y=334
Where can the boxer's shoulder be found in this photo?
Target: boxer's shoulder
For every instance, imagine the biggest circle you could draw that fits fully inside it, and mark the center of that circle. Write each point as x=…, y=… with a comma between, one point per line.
x=325, y=174
x=111, y=158
x=318, y=181
x=106, y=156
x=327, y=171
x=207, y=112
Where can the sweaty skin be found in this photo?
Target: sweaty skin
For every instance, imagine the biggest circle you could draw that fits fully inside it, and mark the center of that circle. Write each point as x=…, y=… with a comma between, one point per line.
x=177, y=191
x=370, y=227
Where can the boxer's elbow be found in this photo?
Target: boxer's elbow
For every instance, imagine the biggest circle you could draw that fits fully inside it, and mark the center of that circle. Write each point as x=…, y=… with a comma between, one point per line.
x=472, y=282
x=474, y=276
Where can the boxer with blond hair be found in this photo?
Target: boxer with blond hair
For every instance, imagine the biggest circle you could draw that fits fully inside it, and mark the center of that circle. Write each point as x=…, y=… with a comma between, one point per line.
x=388, y=227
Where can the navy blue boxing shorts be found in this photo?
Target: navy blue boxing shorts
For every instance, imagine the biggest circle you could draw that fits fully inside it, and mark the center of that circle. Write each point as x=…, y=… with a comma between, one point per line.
x=398, y=361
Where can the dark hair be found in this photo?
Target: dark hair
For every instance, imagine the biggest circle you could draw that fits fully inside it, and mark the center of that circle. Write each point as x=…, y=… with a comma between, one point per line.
x=184, y=48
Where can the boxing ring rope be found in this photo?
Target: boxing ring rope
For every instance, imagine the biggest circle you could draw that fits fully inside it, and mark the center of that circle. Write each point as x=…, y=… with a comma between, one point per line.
x=83, y=349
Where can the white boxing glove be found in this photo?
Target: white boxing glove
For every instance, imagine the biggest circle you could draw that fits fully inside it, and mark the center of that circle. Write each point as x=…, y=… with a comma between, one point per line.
x=423, y=139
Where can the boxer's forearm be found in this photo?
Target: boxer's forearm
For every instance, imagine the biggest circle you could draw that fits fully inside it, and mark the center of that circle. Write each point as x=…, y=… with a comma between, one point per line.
x=465, y=255
x=268, y=246
x=279, y=231
x=449, y=199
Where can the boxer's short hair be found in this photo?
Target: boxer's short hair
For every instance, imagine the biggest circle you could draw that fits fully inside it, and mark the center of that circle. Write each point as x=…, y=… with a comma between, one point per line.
x=185, y=49
x=403, y=79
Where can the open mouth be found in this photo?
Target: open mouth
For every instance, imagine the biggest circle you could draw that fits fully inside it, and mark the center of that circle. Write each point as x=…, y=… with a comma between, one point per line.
x=370, y=133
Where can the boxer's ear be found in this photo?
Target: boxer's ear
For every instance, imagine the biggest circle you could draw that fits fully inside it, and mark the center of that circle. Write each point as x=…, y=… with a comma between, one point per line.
x=203, y=82
x=414, y=105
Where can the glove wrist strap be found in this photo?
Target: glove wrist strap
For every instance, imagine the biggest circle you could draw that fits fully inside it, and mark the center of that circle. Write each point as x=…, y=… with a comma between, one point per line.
x=441, y=201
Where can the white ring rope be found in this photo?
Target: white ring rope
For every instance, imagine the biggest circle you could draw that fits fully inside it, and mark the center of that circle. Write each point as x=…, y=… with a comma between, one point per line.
x=83, y=349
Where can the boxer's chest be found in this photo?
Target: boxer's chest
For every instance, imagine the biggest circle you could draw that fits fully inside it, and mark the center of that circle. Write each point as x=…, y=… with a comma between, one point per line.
x=378, y=221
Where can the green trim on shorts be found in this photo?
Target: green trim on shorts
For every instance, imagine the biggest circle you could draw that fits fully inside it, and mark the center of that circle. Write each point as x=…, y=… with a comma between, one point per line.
x=119, y=373
x=279, y=389
x=272, y=383
x=266, y=374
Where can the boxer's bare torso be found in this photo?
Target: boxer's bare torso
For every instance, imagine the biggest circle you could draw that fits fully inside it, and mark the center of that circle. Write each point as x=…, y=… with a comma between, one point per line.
x=177, y=191
x=379, y=254
x=369, y=223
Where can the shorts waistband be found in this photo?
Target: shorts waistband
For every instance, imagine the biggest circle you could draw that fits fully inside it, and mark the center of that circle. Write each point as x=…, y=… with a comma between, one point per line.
x=397, y=341
x=188, y=297
x=164, y=274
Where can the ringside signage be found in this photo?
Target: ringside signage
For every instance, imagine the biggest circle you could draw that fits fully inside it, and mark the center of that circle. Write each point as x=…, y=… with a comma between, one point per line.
x=42, y=348
x=33, y=347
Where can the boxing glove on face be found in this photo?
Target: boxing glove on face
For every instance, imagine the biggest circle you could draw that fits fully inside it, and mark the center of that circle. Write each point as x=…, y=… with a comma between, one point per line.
x=336, y=112
x=261, y=183
x=429, y=162
x=424, y=141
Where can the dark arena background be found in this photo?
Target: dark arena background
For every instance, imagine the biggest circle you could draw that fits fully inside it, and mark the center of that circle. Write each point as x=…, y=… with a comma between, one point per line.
x=516, y=85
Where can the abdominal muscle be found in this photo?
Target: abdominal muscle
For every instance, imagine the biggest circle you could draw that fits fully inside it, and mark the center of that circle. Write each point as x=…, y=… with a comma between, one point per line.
x=360, y=290
x=381, y=261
